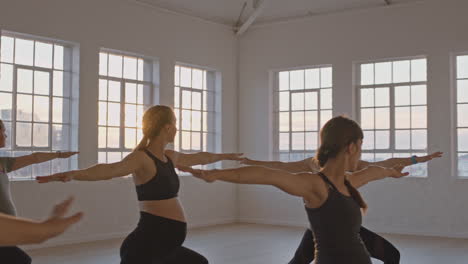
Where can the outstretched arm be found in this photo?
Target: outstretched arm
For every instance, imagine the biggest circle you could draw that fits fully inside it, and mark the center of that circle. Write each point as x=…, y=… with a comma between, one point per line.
x=100, y=172
x=200, y=158
x=38, y=157
x=389, y=163
x=295, y=184
x=375, y=173
x=306, y=165
x=18, y=231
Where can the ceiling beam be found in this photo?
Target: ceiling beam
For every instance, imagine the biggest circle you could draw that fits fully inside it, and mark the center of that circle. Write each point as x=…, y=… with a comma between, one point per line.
x=257, y=11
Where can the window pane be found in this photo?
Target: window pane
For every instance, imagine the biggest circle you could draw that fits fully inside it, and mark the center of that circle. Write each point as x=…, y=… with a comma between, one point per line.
x=196, y=121
x=130, y=115
x=41, y=135
x=113, y=114
x=284, y=81
x=367, y=118
x=297, y=80
x=418, y=95
x=382, y=97
x=419, y=139
x=130, y=93
x=58, y=83
x=114, y=91
x=102, y=157
x=5, y=106
x=24, y=107
x=402, y=117
x=326, y=99
x=102, y=137
x=130, y=68
x=367, y=74
x=418, y=117
x=383, y=72
x=326, y=77
x=284, y=122
x=7, y=126
x=311, y=141
x=462, y=67
x=462, y=91
x=462, y=115
x=186, y=99
x=186, y=138
x=401, y=71
x=312, y=78
x=6, y=77
x=102, y=113
x=113, y=157
x=402, y=139
x=324, y=117
x=103, y=63
x=284, y=101
x=186, y=119
x=196, y=141
x=462, y=139
x=142, y=74
x=41, y=169
x=368, y=142
x=102, y=90
x=130, y=138
x=298, y=141
x=196, y=101
x=367, y=97
x=43, y=55
x=311, y=121
x=140, y=113
x=24, y=81
x=24, y=50
x=177, y=76
x=115, y=66
x=23, y=134
x=297, y=101
x=402, y=95
x=197, y=79
x=6, y=49
x=297, y=119
x=311, y=101
x=369, y=157
x=185, y=77
x=382, y=118
x=41, y=108
x=382, y=139
x=176, y=97
x=58, y=57
x=41, y=82
x=418, y=70
x=463, y=164
x=113, y=137
x=284, y=141
x=60, y=137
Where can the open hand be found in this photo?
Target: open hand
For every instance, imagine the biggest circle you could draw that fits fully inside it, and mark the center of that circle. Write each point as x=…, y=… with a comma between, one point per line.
x=396, y=171
x=429, y=157
x=61, y=177
x=201, y=174
x=57, y=223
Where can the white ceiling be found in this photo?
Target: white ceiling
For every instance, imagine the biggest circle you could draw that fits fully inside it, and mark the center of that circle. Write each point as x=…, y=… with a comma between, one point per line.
x=227, y=11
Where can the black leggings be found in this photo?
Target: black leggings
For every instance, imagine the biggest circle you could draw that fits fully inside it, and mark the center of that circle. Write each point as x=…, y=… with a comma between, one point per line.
x=377, y=246
x=158, y=240
x=14, y=255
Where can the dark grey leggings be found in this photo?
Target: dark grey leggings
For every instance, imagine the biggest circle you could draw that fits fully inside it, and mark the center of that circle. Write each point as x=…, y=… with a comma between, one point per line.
x=14, y=255
x=377, y=246
x=158, y=240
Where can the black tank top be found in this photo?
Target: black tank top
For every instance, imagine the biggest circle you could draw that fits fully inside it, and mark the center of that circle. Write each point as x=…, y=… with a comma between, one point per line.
x=164, y=185
x=336, y=226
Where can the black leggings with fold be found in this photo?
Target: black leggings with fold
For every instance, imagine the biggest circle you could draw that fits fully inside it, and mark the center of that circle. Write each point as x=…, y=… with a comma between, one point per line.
x=377, y=246
x=158, y=240
x=14, y=255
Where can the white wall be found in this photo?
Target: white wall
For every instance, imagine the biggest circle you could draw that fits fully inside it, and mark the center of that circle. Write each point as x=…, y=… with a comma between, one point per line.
x=111, y=207
x=433, y=206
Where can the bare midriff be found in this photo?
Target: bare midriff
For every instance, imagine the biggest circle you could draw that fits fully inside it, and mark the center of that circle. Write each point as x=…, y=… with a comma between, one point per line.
x=170, y=208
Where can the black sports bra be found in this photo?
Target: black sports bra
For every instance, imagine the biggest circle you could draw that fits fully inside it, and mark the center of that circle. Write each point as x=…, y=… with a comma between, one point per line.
x=164, y=185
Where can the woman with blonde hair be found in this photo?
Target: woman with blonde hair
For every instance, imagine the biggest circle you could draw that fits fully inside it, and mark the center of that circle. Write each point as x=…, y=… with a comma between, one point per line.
x=162, y=226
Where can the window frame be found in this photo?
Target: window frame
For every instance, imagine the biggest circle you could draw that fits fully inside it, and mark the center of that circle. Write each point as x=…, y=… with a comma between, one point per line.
x=455, y=126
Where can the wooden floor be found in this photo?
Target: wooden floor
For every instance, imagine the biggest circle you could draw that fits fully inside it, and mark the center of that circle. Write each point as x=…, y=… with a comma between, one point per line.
x=254, y=244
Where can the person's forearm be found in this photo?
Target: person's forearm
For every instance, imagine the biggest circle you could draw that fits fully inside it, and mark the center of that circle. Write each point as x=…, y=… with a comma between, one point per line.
x=293, y=167
x=244, y=175
x=40, y=157
x=97, y=172
x=389, y=163
x=208, y=157
x=17, y=231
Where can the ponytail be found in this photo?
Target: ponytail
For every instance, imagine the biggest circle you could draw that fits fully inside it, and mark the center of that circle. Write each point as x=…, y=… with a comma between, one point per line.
x=143, y=143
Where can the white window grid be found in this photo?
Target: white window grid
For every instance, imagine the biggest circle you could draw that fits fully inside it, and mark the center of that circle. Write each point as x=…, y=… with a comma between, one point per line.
x=195, y=99
x=36, y=80
x=462, y=114
x=392, y=98
x=127, y=88
x=303, y=104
